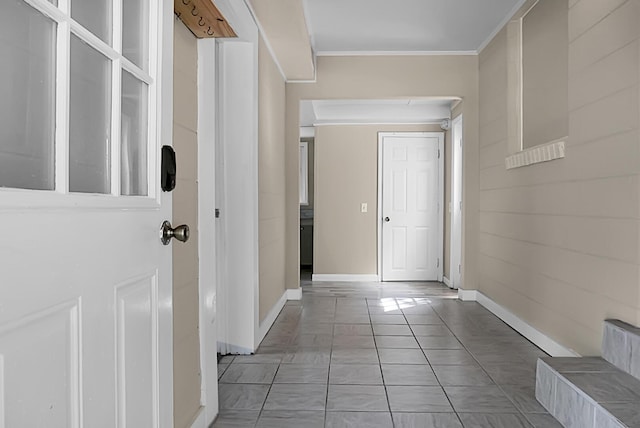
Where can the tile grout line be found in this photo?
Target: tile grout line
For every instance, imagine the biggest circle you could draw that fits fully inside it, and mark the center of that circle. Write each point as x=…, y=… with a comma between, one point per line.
x=440, y=310
x=375, y=343
x=431, y=366
x=482, y=368
x=333, y=328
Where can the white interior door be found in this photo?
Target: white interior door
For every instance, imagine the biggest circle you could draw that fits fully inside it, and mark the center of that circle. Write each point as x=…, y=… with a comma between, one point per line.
x=411, y=206
x=85, y=302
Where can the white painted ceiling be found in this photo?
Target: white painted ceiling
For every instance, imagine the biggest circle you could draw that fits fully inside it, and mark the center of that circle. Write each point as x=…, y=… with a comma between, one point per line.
x=398, y=111
x=361, y=26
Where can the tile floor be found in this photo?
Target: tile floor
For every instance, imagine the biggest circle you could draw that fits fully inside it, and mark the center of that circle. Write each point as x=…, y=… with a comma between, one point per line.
x=392, y=355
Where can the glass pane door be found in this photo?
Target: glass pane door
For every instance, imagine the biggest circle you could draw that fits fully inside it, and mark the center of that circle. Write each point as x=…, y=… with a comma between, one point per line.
x=89, y=120
x=27, y=97
x=74, y=96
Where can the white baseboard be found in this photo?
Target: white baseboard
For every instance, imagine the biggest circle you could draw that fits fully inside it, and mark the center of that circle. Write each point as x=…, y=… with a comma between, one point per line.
x=201, y=419
x=229, y=349
x=294, y=294
x=325, y=277
x=446, y=281
x=540, y=339
x=268, y=321
x=467, y=295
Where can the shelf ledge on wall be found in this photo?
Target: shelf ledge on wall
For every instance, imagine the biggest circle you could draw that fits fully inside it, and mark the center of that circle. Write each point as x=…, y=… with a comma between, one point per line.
x=538, y=154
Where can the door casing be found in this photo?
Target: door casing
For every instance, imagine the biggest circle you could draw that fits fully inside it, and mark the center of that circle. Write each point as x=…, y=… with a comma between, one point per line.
x=455, y=265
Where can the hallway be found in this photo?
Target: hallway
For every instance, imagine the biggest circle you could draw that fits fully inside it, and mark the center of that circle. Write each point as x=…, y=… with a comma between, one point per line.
x=392, y=355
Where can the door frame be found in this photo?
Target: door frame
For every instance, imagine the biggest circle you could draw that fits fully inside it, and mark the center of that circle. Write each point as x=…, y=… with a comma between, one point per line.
x=440, y=135
x=207, y=262
x=456, y=214
x=217, y=140
x=236, y=187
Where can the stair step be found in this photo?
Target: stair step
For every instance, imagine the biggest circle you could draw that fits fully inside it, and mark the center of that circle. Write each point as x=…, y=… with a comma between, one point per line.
x=621, y=346
x=588, y=393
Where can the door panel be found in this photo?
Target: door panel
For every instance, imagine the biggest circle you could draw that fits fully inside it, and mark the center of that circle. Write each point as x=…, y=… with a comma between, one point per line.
x=52, y=332
x=410, y=200
x=135, y=350
x=423, y=238
x=399, y=245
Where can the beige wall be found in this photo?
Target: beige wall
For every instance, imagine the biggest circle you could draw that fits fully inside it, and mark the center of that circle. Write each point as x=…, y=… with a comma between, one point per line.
x=345, y=240
x=271, y=185
x=285, y=26
x=186, y=340
x=386, y=77
x=558, y=241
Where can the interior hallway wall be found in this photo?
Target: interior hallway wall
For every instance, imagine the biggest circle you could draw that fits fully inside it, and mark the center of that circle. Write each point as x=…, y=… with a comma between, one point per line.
x=186, y=334
x=371, y=77
x=346, y=175
x=271, y=184
x=559, y=240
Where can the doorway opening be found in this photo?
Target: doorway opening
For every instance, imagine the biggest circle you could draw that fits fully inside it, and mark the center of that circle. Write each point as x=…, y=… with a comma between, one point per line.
x=306, y=206
x=307, y=141
x=346, y=178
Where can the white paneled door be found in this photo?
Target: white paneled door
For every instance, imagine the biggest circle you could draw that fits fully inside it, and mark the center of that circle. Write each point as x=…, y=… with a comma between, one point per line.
x=411, y=216
x=85, y=295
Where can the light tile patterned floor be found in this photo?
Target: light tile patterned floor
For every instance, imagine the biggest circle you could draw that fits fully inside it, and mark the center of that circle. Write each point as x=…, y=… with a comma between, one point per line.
x=393, y=355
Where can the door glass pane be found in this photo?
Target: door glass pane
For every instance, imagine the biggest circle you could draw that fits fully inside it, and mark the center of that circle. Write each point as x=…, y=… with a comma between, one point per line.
x=27, y=97
x=135, y=32
x=89, y=119
x=94, y=15
x=134, y=136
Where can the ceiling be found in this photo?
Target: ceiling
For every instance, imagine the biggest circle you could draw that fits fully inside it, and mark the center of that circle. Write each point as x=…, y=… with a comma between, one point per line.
x=404, y=26
x=298, y=30
x=396, y=111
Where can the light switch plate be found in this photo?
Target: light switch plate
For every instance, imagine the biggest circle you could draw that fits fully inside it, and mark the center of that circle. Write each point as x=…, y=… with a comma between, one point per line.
x=363, y=207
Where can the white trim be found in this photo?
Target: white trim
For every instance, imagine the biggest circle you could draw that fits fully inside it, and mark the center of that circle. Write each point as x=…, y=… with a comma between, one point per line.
x=200, y=421
x=379, y=208
x=540, y=339
x=268, y=321
x=456, y=214
x=441, y=201
x=364, y=122
x=467, y=295
x=307, y=132
x=207, y=263
x=508, y=17
x=315, y=80
x=294, y=294
x=237, y=168
x=303, y=174
x=537, y=154
x=446, y=281
x=325, y=277
x=395, y=53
